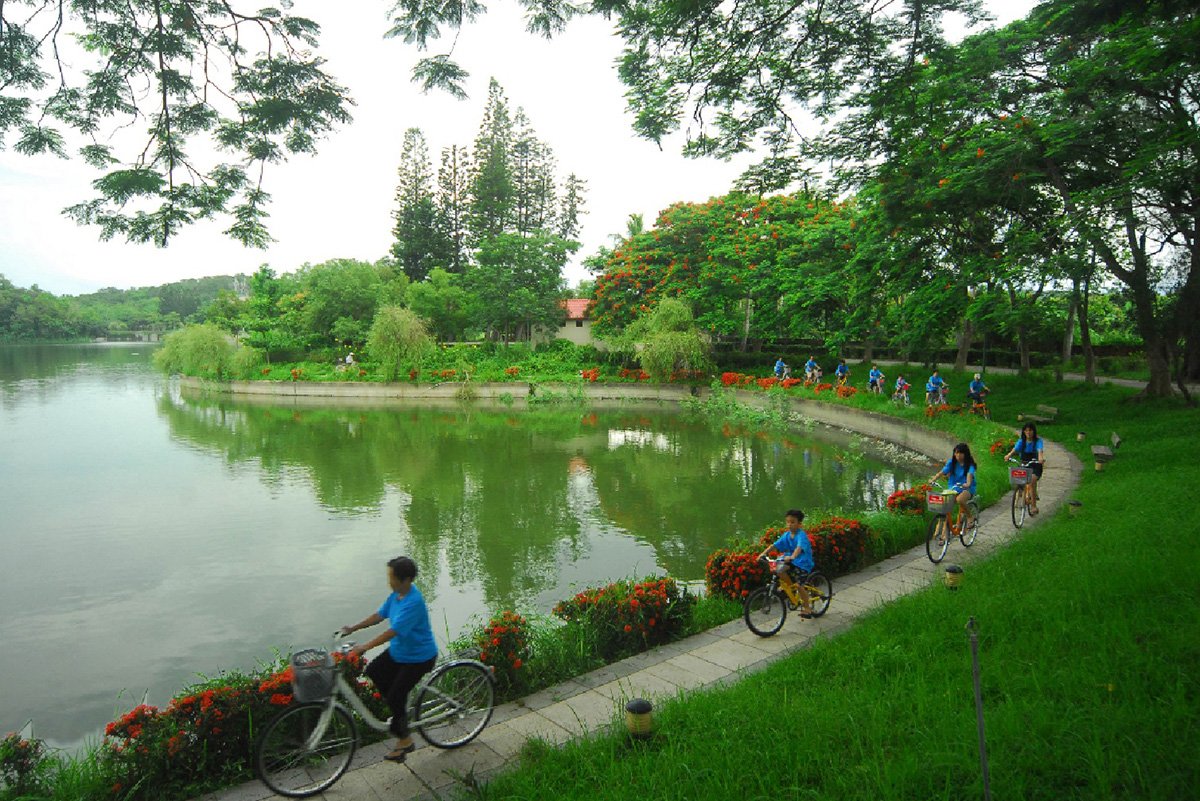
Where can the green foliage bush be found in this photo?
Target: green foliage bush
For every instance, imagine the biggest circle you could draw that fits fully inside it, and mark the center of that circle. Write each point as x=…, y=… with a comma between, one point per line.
x=197, y=350
x=22, y=767
x=247, y=362
x=398, y=341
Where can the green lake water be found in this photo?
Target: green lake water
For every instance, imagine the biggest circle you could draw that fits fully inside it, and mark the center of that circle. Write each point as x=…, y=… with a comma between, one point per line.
x=149, y=535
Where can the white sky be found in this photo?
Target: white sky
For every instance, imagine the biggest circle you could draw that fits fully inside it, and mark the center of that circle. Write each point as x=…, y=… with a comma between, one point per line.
x=338, y=203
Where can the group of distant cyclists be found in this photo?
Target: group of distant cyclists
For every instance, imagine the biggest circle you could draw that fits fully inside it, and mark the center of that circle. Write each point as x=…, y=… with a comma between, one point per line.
x=937, y=391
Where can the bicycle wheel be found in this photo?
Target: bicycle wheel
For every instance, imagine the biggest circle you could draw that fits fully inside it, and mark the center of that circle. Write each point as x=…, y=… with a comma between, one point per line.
x=306, y=749
x=765, y=611
x=937, y=540
x=820, y=592
x=968, y=534
x=455, y=704
x=1018, y=507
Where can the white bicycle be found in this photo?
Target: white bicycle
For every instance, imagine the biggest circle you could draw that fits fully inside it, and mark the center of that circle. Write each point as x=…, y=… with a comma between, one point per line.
x=306, y=748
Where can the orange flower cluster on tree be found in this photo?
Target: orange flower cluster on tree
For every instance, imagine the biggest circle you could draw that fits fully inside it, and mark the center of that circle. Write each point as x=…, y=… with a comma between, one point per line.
x=503, y=643
x=628, y=616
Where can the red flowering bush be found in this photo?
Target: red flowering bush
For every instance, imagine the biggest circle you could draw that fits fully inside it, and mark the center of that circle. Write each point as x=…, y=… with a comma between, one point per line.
x=207, y=734
x=822, y=387
x=736, y=379
x=839, y=545
x=512, y=371
x=734, y=572
x=445, y=375
x=1001, y=447
x=590, y=375
x=412, y=374
x=21, y=766
x=503, y=643
x=767, y=383
x=847, y=391
x=636, y=375
x=908, y=501
x=941, y=408
x=788, y=383
x=628, y=616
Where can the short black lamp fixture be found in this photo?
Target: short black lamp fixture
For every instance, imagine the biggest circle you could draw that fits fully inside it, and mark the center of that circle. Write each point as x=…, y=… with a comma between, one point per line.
x=1080, y=436
x=953, y=576
x=639, y=718
x=1075, y=506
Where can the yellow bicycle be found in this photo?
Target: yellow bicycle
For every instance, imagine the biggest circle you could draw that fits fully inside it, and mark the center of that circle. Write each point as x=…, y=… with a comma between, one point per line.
x=766, y=608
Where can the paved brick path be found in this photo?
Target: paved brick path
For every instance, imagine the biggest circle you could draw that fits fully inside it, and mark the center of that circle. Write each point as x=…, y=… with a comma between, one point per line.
x=722, y=655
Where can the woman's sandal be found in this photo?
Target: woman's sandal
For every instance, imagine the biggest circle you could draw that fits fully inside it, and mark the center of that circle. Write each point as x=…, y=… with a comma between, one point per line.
x=400, y=754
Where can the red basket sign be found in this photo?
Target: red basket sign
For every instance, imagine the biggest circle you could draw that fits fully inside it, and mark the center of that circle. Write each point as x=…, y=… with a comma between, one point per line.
x=936, y=500
x=1019, y=473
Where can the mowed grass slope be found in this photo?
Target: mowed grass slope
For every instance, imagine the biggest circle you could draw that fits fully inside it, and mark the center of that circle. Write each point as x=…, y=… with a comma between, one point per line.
x=1089, y=643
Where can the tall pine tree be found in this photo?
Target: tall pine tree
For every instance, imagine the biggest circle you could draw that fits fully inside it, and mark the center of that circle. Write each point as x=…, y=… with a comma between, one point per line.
x=416, y=238
x=452, y=206
x=492, y=190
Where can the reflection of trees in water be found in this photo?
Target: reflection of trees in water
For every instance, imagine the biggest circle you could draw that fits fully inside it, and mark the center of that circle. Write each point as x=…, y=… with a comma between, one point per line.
x=690, y=496
x=502, y=499
x=485, y=492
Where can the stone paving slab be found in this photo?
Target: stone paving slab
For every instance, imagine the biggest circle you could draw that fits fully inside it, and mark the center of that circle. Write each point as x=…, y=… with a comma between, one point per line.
x=584, y=713
x=688, y=671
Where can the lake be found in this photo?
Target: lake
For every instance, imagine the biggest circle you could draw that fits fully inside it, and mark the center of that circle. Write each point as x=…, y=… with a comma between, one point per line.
x=150, y=535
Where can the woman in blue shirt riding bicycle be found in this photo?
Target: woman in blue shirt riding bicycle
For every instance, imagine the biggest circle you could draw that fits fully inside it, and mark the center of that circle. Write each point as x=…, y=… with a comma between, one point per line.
x=959, y=471
x=411, y=651
x=1030, y=450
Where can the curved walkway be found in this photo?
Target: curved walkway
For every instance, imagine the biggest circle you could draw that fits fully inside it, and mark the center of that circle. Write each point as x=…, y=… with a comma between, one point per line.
x=595, y=701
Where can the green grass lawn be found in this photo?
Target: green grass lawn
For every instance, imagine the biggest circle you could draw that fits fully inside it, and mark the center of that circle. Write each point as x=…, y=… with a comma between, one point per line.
x=1089, y=643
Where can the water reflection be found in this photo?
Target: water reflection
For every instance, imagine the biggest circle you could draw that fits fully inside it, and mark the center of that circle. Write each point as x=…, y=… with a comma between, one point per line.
x=505, y=498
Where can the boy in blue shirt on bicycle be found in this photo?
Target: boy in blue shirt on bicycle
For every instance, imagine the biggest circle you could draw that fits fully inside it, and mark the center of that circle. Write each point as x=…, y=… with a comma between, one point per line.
x=842, y=372
x=795, y=555
x=875, y=379
x=933, y=389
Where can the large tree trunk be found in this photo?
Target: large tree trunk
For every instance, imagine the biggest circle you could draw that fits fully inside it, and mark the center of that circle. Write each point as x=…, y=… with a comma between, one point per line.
x=749, y=301
x=1023, y=349
x=1085, y=333
x=964, y=345
x=869, y=349
x=1069, y=332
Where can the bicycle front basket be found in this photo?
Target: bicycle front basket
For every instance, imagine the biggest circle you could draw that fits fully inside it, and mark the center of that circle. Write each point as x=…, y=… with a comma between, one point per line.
x=939, y=502
x=312, y=675
x=1018, y=476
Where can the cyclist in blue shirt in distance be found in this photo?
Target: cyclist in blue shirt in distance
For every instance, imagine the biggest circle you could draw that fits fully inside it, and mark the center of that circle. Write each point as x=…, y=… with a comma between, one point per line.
x=812, y=370
x=842, y=372
x=795, y=554
x=901, y=389
x=959, y=471
x=875, y=379
x=976, y=390
x=781, y=369
x=933, y=389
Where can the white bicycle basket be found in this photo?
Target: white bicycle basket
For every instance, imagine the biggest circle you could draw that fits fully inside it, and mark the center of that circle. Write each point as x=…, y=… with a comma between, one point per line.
x=312, y=675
